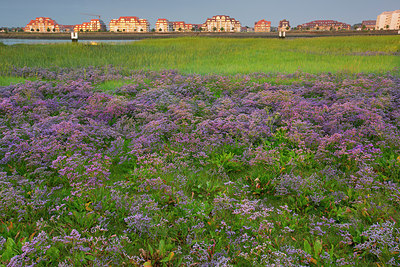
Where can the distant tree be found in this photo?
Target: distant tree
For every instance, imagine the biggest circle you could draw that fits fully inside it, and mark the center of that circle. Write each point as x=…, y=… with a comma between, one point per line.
x=287, y=28
x=141, y=30
x=32, y=30
x=118, y=30
x=317, y=28
x=387, y=26
x=48, y=30
x=331, y=28
x=81, y=30
x=124, y=30
x=222, y=29
x=153, y=30
x=193, y=29
x=180, y=29
x=363, y=27
x=200, y=29
x=54, y=29
x=160, y=30
x=215, y=29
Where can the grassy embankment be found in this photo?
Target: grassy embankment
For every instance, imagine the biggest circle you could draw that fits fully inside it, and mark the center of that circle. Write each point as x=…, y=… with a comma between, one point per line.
x=221, y=56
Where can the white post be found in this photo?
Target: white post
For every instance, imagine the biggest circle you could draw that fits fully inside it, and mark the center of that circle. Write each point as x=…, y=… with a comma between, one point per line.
x=74, y=37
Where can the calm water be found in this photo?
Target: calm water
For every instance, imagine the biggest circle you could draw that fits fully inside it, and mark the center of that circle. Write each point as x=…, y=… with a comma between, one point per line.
x=40, y=41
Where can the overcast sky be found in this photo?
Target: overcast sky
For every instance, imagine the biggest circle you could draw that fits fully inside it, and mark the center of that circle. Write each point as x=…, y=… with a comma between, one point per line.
x=20, y=12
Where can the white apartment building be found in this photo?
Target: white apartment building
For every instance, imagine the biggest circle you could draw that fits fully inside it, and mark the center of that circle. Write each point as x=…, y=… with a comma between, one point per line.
x=389, y=20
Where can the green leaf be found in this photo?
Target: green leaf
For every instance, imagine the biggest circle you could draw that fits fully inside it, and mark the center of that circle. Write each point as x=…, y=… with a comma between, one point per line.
x=7, y=254
x=90, y=257
x=151, y=249
x=161, y=246
x=307, y=247
x=309, y=208
x=168, y=258
x=11, y=249
x=53, y=253
x=317, y=248
x=10, y=243
x=331, y=252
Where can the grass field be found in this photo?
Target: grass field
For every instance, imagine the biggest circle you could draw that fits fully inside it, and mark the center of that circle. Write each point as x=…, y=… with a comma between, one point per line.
x=120, y=166
x=222, y=56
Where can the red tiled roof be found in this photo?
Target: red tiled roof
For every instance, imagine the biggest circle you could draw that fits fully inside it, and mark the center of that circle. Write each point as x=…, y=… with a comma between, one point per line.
x=44, y=20
x=263, y=21
x=128, y=17
x=227, y=18
x=324, y=23
x=369, y=22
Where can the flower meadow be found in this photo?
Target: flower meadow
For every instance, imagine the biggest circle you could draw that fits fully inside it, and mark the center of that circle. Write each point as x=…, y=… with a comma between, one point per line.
x=171, y=169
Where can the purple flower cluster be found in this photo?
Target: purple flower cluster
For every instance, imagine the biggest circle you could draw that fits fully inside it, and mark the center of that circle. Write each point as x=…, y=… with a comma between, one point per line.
x=223, y=170
x=383, y=240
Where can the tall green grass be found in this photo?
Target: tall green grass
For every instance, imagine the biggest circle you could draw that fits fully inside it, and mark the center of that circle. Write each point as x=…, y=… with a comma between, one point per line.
x=214, y=55
x=6, y=81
